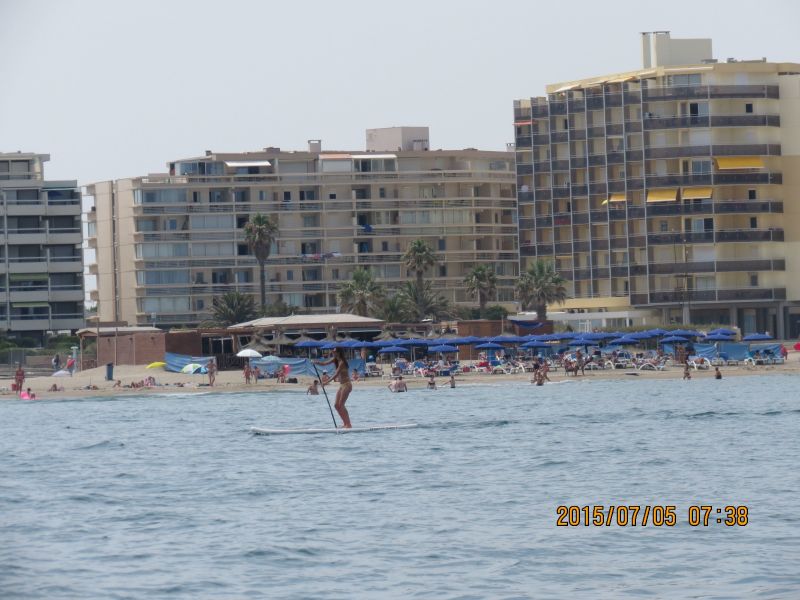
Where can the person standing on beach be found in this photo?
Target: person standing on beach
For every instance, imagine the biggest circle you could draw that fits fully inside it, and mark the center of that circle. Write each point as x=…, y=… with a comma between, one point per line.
x=211, y=368
x=342, y=375
x=19, y=378
x=686, y=373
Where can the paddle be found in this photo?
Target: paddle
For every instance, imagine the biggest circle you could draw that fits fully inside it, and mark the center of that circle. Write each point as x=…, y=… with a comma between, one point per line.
x=326, y=394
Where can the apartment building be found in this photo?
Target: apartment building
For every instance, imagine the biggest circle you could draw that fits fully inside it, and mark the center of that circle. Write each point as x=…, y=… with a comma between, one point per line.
x=167, y=244
x=670, y=191
x=41, y=262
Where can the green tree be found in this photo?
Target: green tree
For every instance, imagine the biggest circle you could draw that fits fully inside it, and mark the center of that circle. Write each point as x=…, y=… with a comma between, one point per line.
x=539, y=286
x=422, y=302
x=481, y=282
x=260, y=233
x=362, y=295
x=393, y=310
x=496, y=312
x=232, y=308
x=279, y=308
x=418, y=258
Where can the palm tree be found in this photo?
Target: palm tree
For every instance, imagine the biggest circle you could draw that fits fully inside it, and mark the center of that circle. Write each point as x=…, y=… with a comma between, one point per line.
x=418, y=258
x=481, y=281
x=260, y=233
x=393, y=310
x=539, y=286
x=232, y=308
x=422, y=302
x=362, y=296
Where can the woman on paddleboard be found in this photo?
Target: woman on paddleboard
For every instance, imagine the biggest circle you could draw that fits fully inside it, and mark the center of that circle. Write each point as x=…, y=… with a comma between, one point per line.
x=342, y=375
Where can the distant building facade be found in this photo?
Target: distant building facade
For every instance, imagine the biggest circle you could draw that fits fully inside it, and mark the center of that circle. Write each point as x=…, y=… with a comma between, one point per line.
x=673, y=190
x=41, y=261
x=167, y=244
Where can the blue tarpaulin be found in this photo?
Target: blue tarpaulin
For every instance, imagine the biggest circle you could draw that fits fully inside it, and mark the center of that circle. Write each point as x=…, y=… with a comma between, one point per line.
x=176, y=362
x=301, y=367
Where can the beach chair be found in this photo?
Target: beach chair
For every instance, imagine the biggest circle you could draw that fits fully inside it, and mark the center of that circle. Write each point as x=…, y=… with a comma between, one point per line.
x=373, y=370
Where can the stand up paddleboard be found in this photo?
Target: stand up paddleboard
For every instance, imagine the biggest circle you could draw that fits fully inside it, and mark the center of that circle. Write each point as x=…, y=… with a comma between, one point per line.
x=261, y=431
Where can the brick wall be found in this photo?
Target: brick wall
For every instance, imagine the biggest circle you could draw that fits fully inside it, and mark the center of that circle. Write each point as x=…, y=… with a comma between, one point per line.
x=131, y=348
x=185, y=342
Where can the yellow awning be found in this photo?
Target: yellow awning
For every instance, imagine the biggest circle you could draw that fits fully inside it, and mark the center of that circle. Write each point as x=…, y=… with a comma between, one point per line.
x=696, y=193
x=739, y=162
x=664, y=195
x=615, y=198
x=622, y=79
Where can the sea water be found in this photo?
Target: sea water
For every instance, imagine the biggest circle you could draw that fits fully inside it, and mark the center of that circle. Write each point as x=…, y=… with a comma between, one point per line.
x=170, y=496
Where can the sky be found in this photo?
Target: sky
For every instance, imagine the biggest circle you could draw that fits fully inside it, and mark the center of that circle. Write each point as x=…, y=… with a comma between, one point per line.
x=115, y=89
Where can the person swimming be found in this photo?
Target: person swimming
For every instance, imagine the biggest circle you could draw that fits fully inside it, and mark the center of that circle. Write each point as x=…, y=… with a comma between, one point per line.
x=342, y=375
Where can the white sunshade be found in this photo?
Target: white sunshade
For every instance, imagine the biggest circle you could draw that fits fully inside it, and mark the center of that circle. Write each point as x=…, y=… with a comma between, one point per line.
x=248, y=163
x=375, y=156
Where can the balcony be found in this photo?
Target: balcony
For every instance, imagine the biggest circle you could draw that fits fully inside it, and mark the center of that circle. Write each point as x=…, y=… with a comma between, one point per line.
x=652, y=122
x=703, y=92
x=750, y=235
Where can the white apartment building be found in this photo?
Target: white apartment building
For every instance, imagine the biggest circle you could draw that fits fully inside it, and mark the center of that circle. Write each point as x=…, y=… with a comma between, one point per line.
x=167, y=244
x=41, y=262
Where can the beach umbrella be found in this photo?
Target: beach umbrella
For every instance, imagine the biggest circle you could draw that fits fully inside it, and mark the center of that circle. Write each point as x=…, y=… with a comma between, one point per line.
x=248, y=353
x=465, y=341
x=674, y=339
x=757, y=337
x=310, y=344
x=797, y=346
x=536, y=344
x=685, y=333
x=718, y=337
x=191, y=368
x=657, y=332
x=624, y=341
x=723, y=331
x=412, y=342
x=507, y=339
x=155, y=365
x=330, y=345
x=442, y=348
x=385, y=343
x=489, y=346
x=392, y=349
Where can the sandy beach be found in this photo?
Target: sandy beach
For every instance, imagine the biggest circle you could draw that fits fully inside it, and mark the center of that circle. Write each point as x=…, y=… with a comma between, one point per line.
x=82, y=384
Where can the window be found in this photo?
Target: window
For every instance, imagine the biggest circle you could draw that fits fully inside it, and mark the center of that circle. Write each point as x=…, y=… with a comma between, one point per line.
x=748, y=108
x=332, y=196
x=242, y=250
x=199, y=304
x=700, y=167
x=195, y=196
x=382, y=192
x=442, y=244
x=442, y=270
x=751, y=194
x=162, y=277
x=307, y=195
x=334, y=273
x=168, y=196
x=171, y=225
x=753, y=222
x=384, y=246
x=262, y=195
x=287, y=196
x=243, y=277
x=217, y=196
x=663, y=226
x=290, y=275
x=753, y=279
x=310, y=221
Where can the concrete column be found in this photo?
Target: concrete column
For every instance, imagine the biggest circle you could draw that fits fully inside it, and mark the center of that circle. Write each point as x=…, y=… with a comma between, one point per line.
x=733, y=319
x=780, y=333
x=686, y=317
